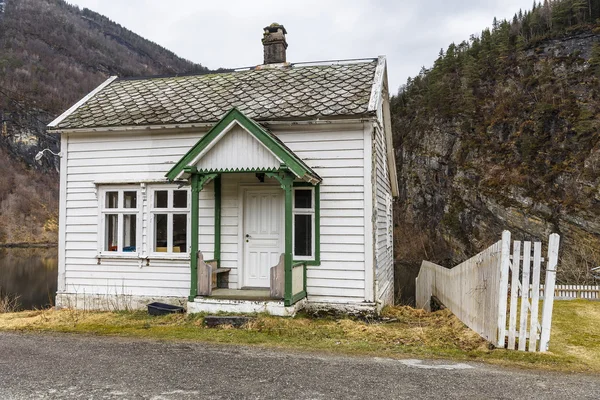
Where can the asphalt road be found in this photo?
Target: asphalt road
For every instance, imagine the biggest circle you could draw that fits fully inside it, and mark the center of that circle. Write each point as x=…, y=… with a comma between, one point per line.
x=44, y=366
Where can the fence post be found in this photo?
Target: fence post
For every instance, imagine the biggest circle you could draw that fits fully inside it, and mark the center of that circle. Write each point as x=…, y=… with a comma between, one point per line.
x=553, y=245
x=514, y=294
x=524, y=296
x=503, y=288
x=535, y=295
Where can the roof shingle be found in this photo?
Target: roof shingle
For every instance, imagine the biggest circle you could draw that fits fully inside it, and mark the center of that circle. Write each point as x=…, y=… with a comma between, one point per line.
x=262, y=94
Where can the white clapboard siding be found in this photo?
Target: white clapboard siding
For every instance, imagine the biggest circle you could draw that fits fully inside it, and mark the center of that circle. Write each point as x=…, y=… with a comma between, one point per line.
x=384, y=255
x=238, y=150
x=93, y=157
x=336, y=155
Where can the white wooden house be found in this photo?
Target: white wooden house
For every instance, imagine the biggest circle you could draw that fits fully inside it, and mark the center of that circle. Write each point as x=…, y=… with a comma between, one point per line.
x=263, y=189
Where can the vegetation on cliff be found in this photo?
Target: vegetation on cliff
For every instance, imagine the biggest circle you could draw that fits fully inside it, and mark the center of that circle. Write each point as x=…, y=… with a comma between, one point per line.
x=502, y=133
x=51, y=55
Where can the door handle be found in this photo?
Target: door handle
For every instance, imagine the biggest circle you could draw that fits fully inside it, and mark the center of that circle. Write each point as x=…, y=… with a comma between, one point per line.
x=247, y=236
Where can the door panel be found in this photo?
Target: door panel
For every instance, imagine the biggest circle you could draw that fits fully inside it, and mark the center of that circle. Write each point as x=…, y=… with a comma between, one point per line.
x=263, y=235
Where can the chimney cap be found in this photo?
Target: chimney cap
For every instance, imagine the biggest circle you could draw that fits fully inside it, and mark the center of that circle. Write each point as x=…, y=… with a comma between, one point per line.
x=274, y=27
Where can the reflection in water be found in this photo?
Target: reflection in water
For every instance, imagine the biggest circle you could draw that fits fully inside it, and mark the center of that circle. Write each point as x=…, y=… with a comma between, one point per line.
x=30, y=274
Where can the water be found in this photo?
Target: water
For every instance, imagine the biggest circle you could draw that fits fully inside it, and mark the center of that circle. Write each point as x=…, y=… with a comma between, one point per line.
x=31, y=274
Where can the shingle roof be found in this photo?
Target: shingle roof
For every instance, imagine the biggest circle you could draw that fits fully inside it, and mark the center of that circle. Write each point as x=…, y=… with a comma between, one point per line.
x=294, y=92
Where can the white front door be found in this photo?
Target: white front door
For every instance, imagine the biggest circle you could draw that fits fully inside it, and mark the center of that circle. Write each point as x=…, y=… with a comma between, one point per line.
x=263, y=235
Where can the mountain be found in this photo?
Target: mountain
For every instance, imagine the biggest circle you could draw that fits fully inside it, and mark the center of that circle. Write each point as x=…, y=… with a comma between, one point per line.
x=51, y=55
x=502, y=133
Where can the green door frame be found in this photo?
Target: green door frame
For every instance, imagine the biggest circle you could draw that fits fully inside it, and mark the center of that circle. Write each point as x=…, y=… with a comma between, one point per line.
x=197, y=182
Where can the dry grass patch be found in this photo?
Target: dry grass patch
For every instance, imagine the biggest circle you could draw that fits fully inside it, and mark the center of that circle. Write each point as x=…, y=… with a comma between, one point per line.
x=400, y=332
x=8, y=303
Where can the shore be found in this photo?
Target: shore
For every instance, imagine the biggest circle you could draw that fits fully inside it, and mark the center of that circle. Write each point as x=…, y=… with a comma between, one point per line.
x=25, y=245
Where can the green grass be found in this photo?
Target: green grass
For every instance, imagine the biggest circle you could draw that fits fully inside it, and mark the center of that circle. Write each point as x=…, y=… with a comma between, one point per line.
x=404, y=332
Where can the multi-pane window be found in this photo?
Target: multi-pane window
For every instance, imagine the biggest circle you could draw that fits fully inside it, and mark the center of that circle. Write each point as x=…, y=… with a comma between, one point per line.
x=304, y=223
x=120, y=220
x=169, y=220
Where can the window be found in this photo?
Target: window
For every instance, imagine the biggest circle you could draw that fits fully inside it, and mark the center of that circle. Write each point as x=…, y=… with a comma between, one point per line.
x=304, y=223
x=169, y=220
x=120, y=219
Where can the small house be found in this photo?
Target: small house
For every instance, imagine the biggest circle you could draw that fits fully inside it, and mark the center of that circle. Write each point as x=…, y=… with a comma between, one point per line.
x=264, y=189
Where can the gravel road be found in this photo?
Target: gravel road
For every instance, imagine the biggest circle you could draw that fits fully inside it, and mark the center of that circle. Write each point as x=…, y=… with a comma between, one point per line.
x=51, y=366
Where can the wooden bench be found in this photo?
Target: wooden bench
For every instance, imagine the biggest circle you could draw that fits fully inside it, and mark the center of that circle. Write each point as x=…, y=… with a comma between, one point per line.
x=210, y=276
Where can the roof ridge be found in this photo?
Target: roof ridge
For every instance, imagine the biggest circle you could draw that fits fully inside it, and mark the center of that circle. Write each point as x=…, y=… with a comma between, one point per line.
x=320, y=63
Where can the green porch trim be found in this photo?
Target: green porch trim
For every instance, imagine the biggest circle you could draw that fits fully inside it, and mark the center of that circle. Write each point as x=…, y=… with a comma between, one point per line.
x=291, y=161
x=297, y=297
x=237, y=170
x=194, y=233
x=317, y=256
x=286, y=179
x=197, y=182
x=217, y=252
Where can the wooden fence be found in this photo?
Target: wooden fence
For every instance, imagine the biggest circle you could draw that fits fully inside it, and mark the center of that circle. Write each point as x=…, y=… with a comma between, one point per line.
x=565, y=292
x=477, y=292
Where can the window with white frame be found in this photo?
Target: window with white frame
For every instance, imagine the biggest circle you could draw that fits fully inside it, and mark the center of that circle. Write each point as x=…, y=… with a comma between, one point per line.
x=169, y=220
x=304, y=223
x=120, y=220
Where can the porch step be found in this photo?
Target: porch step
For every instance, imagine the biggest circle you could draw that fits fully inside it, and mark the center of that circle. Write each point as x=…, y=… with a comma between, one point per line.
x=233, y=294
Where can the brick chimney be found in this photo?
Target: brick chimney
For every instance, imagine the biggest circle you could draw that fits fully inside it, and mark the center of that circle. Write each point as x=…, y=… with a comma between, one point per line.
x=274, y=44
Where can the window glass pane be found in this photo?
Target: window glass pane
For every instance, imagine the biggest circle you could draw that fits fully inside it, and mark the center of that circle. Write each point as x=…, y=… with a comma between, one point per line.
x=112, y=199
x=129, y=199
x=160, y=198
x=112, y=232
x=179, y=233
x=160, y=233
x=302, y=235
x=129, y=232
x=303, y=198
x=179, y=198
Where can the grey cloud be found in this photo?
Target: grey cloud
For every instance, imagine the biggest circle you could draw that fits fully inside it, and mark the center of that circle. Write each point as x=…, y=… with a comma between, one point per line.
x=227, y=33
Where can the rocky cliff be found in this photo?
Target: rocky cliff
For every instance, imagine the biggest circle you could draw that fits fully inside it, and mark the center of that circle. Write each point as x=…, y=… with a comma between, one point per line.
x=511, y=142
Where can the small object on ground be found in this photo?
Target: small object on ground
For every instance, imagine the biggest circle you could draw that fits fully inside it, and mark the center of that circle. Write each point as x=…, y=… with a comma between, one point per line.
x=212, y=321
x=163, y=309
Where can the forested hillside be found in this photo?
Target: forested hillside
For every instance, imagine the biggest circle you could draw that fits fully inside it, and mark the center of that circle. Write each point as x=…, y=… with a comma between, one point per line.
x=51, y=55
x=502, y=133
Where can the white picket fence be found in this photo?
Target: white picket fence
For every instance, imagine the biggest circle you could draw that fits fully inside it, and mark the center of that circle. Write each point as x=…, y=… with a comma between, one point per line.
x=477, y=292
x=565, y=292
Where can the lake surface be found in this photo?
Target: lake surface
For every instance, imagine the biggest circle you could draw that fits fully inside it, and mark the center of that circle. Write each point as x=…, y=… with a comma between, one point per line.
x=31, y=274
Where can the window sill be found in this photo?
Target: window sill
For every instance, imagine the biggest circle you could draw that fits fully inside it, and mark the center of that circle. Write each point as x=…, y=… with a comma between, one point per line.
x=132, y=256
x=121, y=256
x=159, y=256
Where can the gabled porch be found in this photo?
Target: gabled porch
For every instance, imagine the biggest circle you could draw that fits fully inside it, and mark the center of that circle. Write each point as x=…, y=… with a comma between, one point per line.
x=276, y=193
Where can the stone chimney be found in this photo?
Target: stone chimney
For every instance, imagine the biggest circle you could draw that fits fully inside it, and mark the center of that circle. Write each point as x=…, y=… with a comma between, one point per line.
x=274, y=44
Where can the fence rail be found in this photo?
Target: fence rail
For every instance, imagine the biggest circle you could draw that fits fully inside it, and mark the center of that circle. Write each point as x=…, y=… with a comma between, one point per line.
x=477, y=292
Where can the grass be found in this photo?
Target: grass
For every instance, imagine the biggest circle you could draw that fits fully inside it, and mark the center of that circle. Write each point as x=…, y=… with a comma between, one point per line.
x=402, y=332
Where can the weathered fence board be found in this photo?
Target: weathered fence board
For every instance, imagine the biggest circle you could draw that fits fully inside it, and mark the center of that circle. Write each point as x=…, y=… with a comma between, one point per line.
x=464, y=289
x=477, y=292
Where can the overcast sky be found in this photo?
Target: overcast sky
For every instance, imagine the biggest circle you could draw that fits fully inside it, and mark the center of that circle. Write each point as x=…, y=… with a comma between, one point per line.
x=227, y=33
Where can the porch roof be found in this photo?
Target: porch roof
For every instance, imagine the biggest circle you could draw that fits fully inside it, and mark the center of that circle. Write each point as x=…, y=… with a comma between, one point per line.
x=264, y=152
